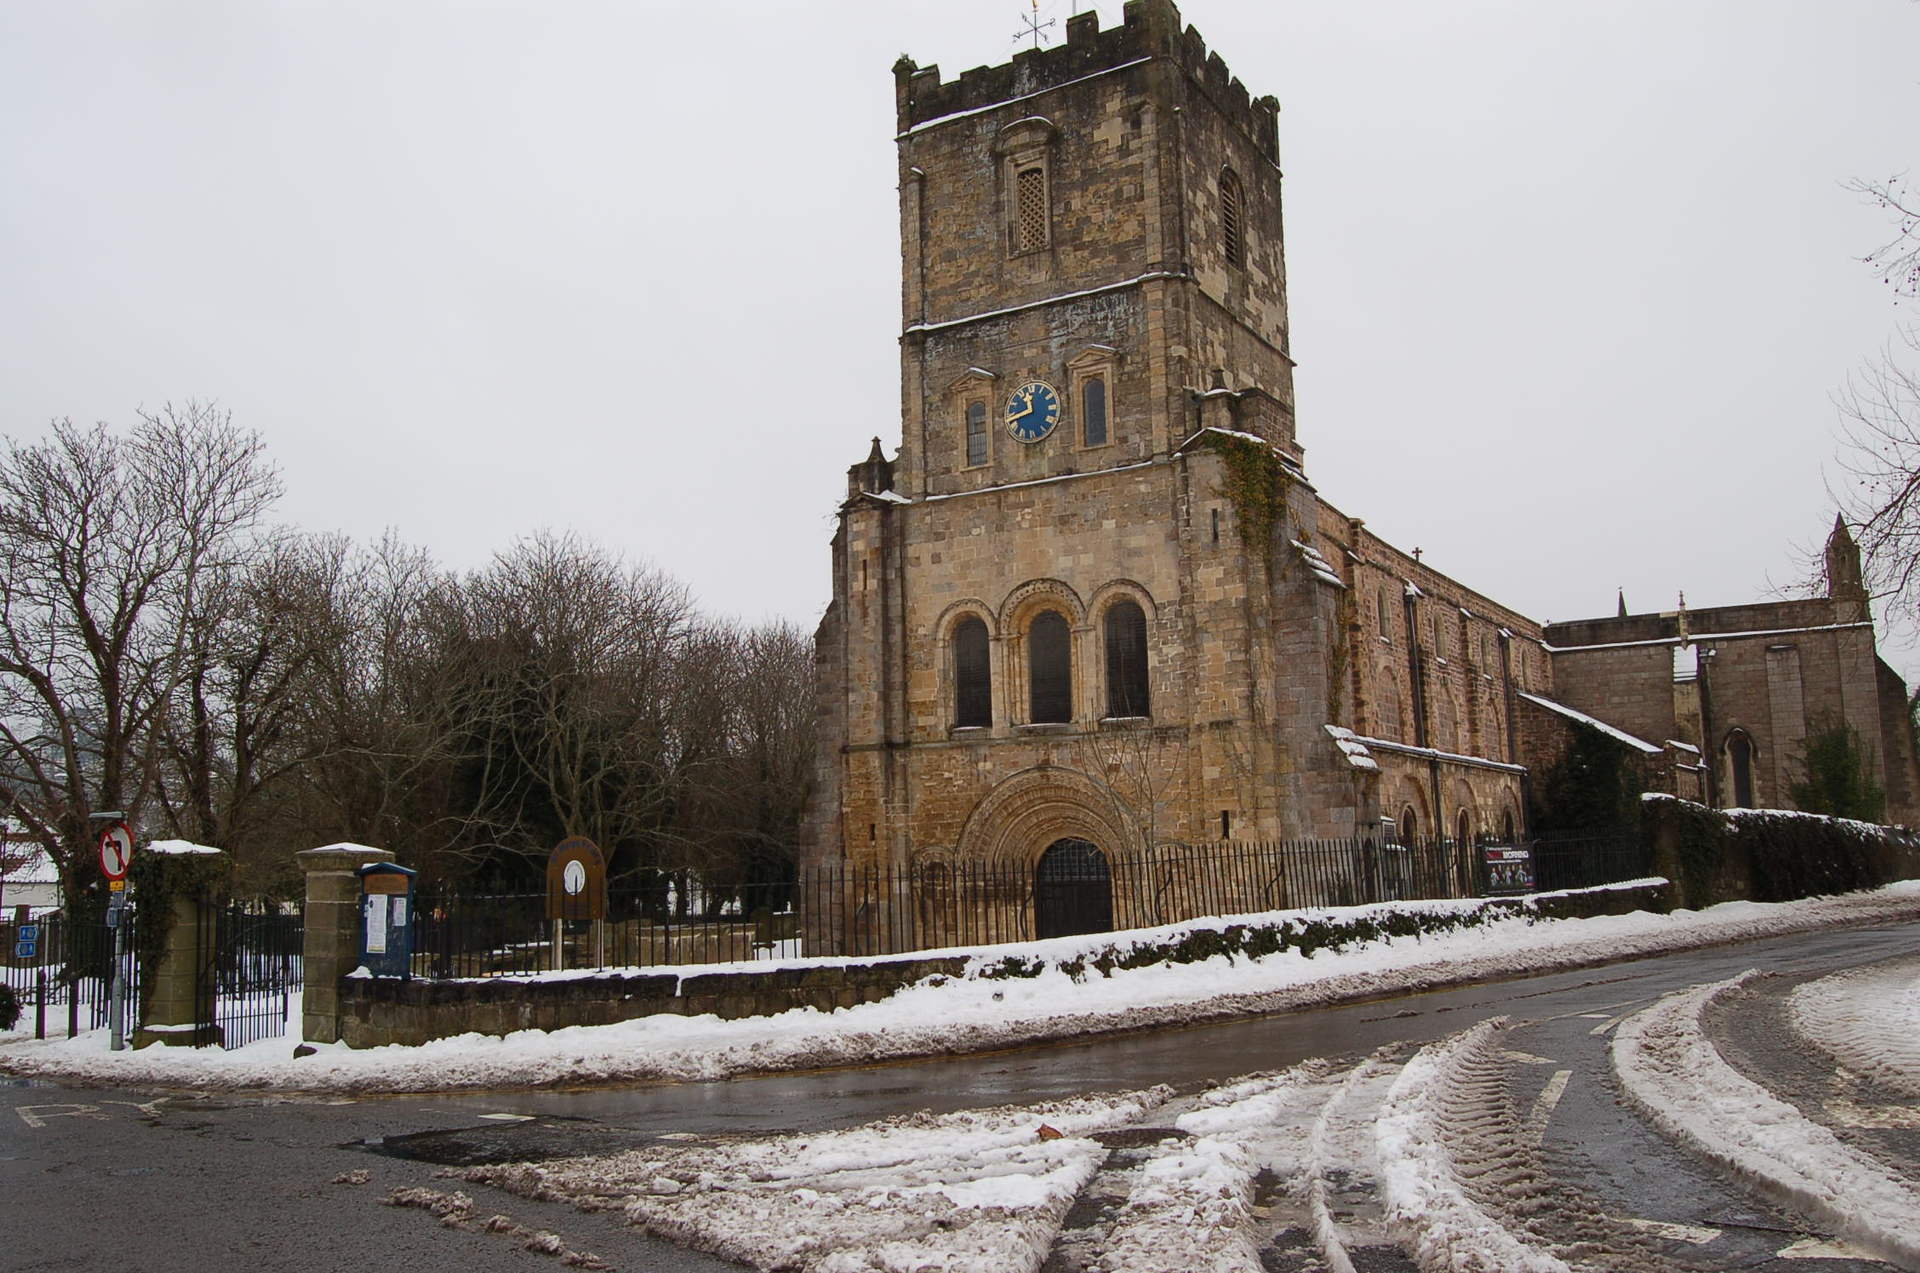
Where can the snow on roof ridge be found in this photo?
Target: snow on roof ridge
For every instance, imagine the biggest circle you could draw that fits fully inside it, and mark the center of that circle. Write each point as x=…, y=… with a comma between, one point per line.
x=1431, y=753
x=1612, y=731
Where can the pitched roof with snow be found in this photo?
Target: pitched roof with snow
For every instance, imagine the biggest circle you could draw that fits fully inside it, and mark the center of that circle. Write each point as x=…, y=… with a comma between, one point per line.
x=1611, y=731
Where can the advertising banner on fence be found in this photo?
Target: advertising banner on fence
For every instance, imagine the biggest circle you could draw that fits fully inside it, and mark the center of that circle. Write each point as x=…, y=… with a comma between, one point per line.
x=1509, y=869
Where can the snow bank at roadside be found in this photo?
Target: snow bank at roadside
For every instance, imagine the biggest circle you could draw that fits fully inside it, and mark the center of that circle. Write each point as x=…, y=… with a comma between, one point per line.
x=960, y=1015
x=1674, y=1075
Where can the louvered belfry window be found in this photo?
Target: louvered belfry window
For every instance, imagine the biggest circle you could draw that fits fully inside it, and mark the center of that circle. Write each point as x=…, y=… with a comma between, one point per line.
x=1030, y=210
x=1050, y=669
x=1233, y=230
x=1126, y=660
x=972, y=677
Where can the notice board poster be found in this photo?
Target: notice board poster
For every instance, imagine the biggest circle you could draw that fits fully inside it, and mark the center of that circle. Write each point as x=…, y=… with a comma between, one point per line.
x=1509, y=869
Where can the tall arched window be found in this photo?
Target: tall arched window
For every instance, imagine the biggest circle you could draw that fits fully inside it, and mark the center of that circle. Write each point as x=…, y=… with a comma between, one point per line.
x=1409, y=826
x=1233, y=230
x=1386, y=617
x=972, y=675
x=1050, y=669
x=1740, y=765
x=1127, y=660
x=1463, y=830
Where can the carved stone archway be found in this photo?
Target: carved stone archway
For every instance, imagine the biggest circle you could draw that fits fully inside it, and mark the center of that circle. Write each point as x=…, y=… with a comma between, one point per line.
x=1025, y=813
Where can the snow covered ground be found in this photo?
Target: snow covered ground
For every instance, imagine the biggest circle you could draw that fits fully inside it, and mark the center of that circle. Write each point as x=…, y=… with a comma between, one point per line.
x=1407, y=1158
x=961, y=1015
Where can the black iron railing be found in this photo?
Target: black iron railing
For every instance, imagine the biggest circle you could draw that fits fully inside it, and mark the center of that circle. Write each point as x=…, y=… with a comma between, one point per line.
x=678, y=919
x=63, y=977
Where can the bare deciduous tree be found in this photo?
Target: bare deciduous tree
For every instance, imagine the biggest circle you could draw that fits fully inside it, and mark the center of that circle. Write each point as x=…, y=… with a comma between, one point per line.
x=1879, y=460
x=1897, y=261
x=110, y=545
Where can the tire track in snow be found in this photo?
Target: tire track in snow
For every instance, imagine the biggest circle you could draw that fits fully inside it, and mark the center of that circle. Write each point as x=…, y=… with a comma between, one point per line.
x=1677, y=1079
x=1465, y=1181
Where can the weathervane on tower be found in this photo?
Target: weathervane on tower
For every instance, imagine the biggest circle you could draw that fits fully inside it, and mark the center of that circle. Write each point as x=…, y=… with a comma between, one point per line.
x=1032, y=24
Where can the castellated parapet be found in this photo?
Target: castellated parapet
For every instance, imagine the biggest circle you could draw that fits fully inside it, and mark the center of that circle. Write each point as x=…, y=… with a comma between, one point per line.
x=1150, y=29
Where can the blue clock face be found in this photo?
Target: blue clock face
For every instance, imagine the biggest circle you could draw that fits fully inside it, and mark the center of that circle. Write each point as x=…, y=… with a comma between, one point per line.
x=1032, y=411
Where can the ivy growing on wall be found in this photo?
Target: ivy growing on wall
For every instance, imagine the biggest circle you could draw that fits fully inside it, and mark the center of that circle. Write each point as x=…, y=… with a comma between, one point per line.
x=1839, y=781
x=1255, y=483
x=1593, y=789
x=159, y=880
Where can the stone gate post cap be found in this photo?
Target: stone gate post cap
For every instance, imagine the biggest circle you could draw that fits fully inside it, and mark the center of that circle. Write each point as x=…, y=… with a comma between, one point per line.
x=338, y=857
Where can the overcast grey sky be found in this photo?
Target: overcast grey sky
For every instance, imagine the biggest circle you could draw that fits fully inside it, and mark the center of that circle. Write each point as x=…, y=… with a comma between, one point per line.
x=1571, y=284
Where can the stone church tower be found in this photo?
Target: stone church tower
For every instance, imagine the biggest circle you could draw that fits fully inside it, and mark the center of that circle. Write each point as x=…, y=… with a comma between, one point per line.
x=1085, y=603
x=1093, y=606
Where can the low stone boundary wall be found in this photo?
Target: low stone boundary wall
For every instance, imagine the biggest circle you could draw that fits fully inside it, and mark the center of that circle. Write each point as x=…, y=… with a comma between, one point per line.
x=377, y=1010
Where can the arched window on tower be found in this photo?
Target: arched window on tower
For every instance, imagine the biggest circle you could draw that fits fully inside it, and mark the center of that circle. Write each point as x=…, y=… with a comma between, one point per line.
x=1233, y=229
x=1126, y=660
x=972, y=675
x=1050, y=669
x=1740, y=768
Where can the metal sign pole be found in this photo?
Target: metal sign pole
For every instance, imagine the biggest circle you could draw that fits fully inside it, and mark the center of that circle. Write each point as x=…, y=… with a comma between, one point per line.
x=117, y=996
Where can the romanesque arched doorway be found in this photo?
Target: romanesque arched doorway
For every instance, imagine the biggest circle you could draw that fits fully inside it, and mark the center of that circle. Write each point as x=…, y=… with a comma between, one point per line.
x=1072, y=890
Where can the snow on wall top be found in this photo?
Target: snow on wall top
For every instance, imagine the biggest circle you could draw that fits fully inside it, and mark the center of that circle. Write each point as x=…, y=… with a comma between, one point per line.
x=179, y=848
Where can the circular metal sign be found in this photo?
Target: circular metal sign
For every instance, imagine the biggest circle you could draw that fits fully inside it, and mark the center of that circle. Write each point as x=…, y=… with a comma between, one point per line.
x=116, y=850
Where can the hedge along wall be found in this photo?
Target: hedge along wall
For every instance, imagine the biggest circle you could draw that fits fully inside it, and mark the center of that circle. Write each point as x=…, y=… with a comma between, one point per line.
x=1770, y=855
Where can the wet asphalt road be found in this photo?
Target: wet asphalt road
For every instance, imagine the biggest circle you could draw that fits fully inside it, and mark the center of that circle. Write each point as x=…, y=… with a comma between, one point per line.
x=97, y=1179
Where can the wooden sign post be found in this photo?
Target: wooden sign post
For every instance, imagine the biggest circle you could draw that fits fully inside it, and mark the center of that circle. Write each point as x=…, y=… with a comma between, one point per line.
x=577, y=889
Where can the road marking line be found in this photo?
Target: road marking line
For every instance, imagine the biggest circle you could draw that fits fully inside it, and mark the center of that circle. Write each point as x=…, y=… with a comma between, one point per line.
x=1678, y=1232
x=1527, y=1058
x=1544, y=1106
x=39, y=1119
x=510, y=1118
x=1609, y=1023
x=151, y=1109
